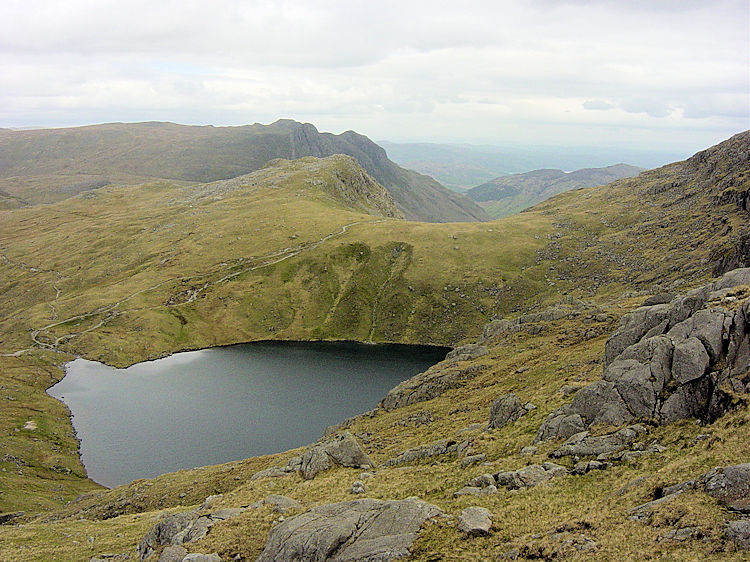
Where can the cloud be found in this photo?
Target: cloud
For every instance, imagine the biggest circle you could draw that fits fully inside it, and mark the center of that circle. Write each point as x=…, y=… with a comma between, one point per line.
x=597, y=104
x=432, y=70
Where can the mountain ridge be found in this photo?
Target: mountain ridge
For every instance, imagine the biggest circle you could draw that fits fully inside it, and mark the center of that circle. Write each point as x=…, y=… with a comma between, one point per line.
x=47, y=165
x=510, y=194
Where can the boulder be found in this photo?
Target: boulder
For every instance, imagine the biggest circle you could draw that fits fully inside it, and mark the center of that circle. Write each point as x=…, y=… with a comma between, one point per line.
x=475, y=521
x=428, y=385
x=173, y=554
x=730, y=485
x=279, y=504
x=473, y=459
x=165, y=532
x=530, y=476
x=358, y=487
x=504, y=410
x=341, y=450
x=690, y=360
x=197, y=557
x=434, y=449
x=467, y=352
x=365, y=529
x=739, y=533
x=584, y=444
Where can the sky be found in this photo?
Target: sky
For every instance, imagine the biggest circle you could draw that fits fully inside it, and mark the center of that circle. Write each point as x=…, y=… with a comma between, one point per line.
x=667, y=75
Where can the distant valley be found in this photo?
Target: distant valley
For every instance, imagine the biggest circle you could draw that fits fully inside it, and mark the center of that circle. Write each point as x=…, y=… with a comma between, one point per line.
x=462, y=166
x=511, y=194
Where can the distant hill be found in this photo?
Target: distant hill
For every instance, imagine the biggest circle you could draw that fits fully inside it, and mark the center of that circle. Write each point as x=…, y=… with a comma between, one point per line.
x=506, y=195
x=48, y=165
x=463, y=166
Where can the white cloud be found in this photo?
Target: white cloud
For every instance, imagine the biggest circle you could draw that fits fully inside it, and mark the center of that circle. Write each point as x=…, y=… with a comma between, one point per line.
x=471, y=71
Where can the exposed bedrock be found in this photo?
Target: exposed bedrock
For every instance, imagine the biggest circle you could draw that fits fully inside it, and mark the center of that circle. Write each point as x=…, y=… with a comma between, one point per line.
x=669, y=361
x=366, y=529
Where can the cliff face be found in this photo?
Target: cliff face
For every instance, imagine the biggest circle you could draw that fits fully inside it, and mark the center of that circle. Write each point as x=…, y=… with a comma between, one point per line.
x=43, y=166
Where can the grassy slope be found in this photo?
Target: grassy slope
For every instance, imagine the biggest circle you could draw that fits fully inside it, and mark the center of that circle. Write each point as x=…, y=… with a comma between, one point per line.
x=595, y=243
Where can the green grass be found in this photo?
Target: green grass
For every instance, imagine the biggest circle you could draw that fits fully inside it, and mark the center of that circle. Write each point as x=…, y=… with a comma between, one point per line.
x=115, y=276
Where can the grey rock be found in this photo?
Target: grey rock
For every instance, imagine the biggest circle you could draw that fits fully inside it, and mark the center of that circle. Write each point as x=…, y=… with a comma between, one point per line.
x=681, y=487
x=475, y=521
x=173, y=554
x=733, y=278
x=225, y=513
x=661, y=298
x=530, y=476
x=341, y=450
x=165, y=531
x=560, y=425
x=488, y=490
x=584, y=444
x=680, y=535
x=600, y=403
x=467, y=352
x=468, y=491
x=358, y=487
x=196, y=557
x=272, y=472
x=279, y=504
x=731, y=485
x=690, y=360
x=434, y=449
x=584, y=467
x=210, y=500
x=504, y=410
x=528, y=451
x=645, y=510
x=365, y=529
x=365, y=475
x=739, y=533
x=428, y=385
x=473, y=459
x=482, y=481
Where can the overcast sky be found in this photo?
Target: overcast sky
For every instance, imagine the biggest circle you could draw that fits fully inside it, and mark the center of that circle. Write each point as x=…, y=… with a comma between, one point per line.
x=648, y=73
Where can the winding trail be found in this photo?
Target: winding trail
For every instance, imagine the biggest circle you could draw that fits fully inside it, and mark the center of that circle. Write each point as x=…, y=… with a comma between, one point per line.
x=111, y=311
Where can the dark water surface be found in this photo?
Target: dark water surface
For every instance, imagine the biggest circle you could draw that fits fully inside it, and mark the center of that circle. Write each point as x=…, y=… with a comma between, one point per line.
x=228, y=403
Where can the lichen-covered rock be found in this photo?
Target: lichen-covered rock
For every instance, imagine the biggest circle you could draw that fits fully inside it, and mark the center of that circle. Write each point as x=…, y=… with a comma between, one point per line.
x=739, y=533
x=667, y=362
x=530, y=476
x=584, y=444
x=434, y=449
x=341, y=450
x=506, y=409
x=428, y=385
x=365, y=529
x=475, y=521
x=467, y=352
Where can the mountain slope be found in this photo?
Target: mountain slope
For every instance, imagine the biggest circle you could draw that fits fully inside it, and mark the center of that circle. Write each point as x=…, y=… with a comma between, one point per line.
x=125, y=274
x=510, y=194
x=49, y=165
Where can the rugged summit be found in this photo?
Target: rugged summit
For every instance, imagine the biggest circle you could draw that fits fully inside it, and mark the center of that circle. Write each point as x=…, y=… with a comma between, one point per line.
x=46, y=165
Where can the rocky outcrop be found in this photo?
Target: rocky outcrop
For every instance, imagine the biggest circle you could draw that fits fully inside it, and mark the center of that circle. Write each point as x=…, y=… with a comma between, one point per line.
x=428, y=385
x=526, y=477
x=584, y=444
x=365, y=529
x=181, y=528
x=467, y=352
x=341, y=450
x=668, y=362
x=534, y=322
x=434, y=449
x=506, y=409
